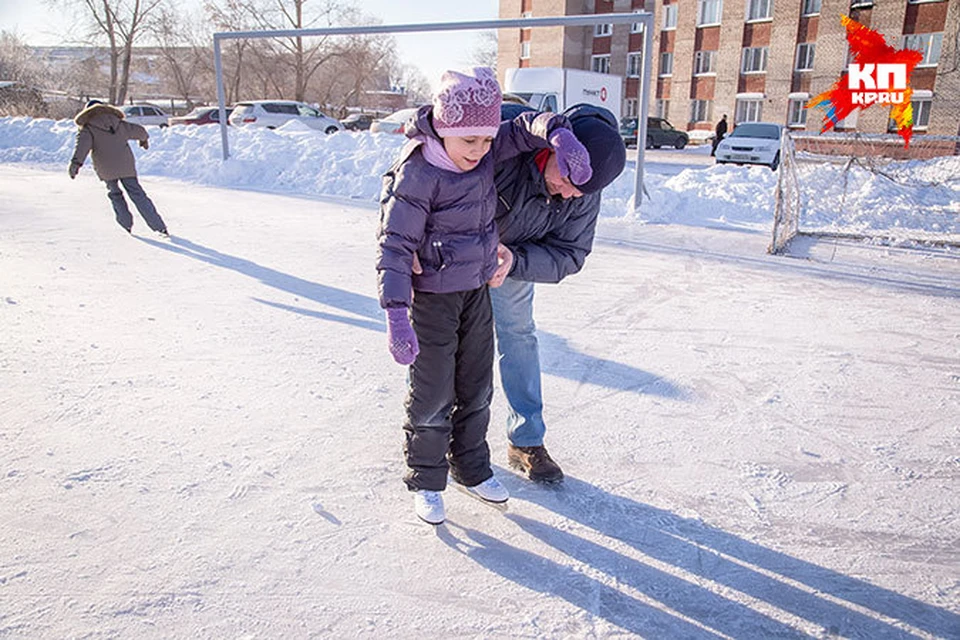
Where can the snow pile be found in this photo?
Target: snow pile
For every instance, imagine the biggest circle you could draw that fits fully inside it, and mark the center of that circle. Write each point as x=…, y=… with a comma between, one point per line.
x=914, y=195
x=349, y=164
x=300, y=161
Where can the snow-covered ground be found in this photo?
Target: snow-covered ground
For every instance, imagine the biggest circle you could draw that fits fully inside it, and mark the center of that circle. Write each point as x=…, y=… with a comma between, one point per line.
x=199, y=437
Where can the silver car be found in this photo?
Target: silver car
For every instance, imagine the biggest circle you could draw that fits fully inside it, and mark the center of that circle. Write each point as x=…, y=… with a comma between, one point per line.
x=276, y=113
x=144, y=114
x=752, y=143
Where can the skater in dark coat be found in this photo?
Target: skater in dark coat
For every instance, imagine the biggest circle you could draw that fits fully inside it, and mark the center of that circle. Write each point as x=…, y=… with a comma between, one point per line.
x=719, y=133
x=438, y=201
x=104, y=134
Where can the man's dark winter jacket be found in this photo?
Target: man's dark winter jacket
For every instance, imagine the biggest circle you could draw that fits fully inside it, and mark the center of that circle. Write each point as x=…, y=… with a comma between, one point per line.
x=550, y=238
x=446, y=217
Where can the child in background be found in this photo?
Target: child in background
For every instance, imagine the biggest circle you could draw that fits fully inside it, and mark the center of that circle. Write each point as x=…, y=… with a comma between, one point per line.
x=438, y=204
x=104, y=134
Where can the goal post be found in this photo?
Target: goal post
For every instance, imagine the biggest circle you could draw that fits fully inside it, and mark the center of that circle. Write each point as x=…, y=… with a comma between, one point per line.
x=868, y=187
x=644, y=18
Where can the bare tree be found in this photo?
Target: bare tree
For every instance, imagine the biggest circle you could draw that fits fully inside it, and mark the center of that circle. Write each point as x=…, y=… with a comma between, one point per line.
x=304, y=56
x=230, y=15
x=119, y=23
x=485, y=53
x=186, y=57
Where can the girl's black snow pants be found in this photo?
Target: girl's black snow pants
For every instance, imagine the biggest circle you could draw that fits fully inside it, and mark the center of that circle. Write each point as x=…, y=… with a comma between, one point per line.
x=451, y=385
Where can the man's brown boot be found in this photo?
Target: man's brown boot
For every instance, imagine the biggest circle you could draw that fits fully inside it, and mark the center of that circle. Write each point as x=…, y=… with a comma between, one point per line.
x=535, y=463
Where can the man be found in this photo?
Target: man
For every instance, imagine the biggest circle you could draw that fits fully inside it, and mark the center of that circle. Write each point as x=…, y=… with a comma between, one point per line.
x=546, y=226
x=719, y=132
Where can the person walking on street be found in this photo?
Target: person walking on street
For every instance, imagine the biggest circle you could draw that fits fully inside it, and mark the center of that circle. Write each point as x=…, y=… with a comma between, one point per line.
x=719, y=133
x=104, y=134
x=546, y=225
x=438, y=202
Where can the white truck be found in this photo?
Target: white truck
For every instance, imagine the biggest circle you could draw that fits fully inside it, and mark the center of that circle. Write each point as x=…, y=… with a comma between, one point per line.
x=556, y=89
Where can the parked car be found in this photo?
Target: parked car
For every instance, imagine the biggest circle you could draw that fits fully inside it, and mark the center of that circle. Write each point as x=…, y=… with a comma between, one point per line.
x=752, y=143
x=276, y=113
x=145, y=114
x=394, y=122
x=357, y=122
x=200, y=115
x=660, y=133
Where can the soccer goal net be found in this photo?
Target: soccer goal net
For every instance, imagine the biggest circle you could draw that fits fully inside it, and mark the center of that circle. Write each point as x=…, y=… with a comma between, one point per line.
x=869, y=187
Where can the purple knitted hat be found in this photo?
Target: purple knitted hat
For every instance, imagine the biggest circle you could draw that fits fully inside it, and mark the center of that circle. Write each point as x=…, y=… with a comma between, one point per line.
x=468, y=104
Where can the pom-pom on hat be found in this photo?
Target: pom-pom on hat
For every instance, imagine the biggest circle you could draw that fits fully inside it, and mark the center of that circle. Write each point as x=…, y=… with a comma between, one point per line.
x=467, y=104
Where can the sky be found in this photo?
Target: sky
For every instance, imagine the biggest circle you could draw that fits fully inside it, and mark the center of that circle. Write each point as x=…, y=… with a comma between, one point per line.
x=200, y=437
x=430, y=52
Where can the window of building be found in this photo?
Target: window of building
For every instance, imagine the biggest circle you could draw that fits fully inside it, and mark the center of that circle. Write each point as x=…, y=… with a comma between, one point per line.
x=663, y=109
x=601, y=30
x=636, y=27
x=811, y=7
x=524, y=50
x=700, y=110
x=634, y=64
x=600, y=64
x=669, y=16
x=709, y=12
x=797, y=112
x=759, y=10
x=861, y=4
x=754, y=60
x=923, y=1
x=704, y=62
x=666, y=63
x=630, y=108
x=926, y=43
x=749, y=110
x=805, y=53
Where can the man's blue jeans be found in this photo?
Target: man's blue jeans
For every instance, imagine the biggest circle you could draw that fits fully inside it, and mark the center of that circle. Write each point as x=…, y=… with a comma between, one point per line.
x=519, y=357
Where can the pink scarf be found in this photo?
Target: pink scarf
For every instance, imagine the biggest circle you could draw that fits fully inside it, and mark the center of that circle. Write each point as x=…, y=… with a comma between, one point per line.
x=434, y=153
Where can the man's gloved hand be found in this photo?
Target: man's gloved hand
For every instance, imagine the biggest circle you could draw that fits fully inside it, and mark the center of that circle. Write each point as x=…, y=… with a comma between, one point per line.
x=144, y=144
x=401, y=337
x=573, y=159
x=73, y=169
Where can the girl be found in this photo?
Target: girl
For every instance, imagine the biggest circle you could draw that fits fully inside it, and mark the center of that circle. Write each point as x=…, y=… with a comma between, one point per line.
x=438, y=203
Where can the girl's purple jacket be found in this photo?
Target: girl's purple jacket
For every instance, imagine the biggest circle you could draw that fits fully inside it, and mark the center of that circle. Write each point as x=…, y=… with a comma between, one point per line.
x=446, y=217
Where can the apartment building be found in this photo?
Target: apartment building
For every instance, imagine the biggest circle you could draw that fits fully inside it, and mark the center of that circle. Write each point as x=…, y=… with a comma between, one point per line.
x=755, y=60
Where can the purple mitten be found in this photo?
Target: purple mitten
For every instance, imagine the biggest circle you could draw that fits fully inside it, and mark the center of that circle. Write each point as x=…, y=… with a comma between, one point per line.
x=402, y=340
x=573, y=159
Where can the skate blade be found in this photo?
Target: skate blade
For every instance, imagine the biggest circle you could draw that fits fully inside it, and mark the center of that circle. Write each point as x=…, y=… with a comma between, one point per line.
x=499, y=506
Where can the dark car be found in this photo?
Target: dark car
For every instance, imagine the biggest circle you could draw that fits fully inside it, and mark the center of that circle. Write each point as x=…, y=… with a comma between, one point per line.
x=357, y=122
x=200, y=115
x=660, y=133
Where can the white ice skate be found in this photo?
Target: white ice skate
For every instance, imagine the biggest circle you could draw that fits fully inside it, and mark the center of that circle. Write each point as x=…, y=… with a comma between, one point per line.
x=490, y=490
x=429, y=506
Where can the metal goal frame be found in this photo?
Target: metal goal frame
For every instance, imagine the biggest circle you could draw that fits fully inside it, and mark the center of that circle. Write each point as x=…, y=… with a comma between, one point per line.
x=644, y=18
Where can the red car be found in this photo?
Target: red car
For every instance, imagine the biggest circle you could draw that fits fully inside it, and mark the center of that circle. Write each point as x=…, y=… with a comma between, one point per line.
x=200, y=115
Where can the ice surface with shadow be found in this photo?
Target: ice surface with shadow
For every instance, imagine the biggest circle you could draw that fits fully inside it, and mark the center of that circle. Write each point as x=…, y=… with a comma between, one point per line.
x=842, y=605
x=367, y=308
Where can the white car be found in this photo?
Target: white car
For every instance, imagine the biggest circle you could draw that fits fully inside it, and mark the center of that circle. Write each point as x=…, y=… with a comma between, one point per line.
x=276, y=113
x=394, y=122
x=752, y=143
x=144, y=114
